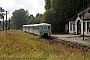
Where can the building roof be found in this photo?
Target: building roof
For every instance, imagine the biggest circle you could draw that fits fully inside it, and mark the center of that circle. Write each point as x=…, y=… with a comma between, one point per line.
x=73, y=18
x=86, y=16
x=80, y=14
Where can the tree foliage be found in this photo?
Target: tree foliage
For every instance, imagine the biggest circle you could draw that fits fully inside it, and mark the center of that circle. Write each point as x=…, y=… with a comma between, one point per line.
x=1, y=12
x=2, y=15
x=19, y=18
x=47, y=4
x=34, y=20
x=59, y=11
x=38, y=18
x=31, y=19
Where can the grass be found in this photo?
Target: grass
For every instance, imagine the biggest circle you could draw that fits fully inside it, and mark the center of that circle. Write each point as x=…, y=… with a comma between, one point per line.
x=25, y=46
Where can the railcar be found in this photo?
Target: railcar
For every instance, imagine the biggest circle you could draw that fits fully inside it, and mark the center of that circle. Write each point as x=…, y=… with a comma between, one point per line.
x=38, y=29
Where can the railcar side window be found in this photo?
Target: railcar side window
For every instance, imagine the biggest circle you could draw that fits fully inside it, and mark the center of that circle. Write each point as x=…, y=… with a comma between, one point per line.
x=36, y=27
x=41, y=27
x=24, y=27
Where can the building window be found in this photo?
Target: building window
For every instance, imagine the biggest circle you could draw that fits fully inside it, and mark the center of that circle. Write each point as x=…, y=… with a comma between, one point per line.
x=87, y=26
x=71, y=26
x=66, y=26
x=84, y=26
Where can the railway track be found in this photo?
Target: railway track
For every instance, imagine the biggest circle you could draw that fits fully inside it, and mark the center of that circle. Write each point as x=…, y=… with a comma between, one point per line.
x=67, y=44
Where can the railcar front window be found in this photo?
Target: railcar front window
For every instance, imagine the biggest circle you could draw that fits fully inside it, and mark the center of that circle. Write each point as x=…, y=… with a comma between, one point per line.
x=49, y=28
x=45, y=27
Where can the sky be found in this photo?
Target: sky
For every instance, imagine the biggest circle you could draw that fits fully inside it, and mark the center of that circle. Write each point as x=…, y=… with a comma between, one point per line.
x=33, y=6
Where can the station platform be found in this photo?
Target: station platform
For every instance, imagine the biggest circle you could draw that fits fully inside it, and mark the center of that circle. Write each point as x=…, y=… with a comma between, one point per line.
x=74, y=38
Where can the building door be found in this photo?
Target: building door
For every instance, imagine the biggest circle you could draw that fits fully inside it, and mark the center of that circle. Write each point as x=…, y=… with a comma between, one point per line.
x=78, y=27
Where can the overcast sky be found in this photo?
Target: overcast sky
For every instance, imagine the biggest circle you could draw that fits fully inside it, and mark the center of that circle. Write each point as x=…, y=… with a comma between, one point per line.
x=33, y=6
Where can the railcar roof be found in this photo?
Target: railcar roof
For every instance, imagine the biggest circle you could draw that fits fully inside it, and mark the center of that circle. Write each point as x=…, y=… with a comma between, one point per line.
x=28, y=25
x=38, y=24
x=41, y=24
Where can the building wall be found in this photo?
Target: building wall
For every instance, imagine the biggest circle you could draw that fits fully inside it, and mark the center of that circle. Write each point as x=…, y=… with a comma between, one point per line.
x=87, y=32
x=71, y=31
x=78, y=19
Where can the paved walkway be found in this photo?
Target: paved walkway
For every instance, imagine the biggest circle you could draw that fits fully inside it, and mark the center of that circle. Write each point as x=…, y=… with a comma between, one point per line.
x=74, y=38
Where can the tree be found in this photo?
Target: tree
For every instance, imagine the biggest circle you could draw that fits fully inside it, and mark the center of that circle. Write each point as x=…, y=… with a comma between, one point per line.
x=59, y=11
x=47, y=4
x=2, y=15
x=38, y=18
x=35, y=20
x=47, y=16
x=19, y=18
x=31, y=19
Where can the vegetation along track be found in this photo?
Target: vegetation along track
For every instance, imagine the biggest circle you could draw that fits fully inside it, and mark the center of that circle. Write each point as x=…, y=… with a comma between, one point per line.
x=67, y=44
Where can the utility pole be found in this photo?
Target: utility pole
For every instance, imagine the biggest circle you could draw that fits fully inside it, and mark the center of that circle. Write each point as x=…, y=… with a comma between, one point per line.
x=83, y=19
x=6, y=22
x=3, y=22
